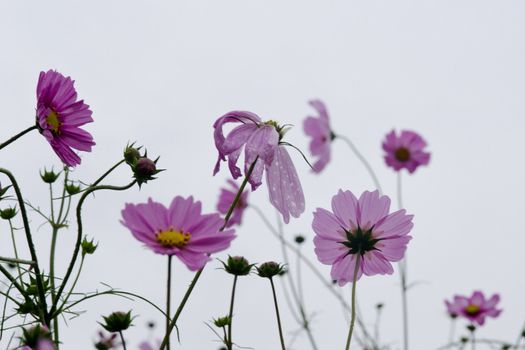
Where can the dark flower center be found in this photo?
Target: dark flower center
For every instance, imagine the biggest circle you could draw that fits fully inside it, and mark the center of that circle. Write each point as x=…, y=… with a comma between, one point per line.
x=472, y=310
x=402, y=154
x=360, y=241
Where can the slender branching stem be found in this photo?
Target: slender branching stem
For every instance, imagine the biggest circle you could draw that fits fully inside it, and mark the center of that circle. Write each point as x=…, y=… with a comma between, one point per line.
x=38, y=277
x=230, y=315
x=99, y=180
x=16, y=261
x=79, y=236
x=354, y=283
x=363, y=160
x=296, y=295
x=198, y=274
x=82, y=258
x=17, y=136
x=277, y=314
x=403, y=272
x=168, y=301
x=13, y=281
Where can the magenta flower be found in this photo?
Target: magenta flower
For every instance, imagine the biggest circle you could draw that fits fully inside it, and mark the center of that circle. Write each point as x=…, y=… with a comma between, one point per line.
x=262, y=143
x=226, y=199
x=319, y=129
x=361, y=228
x=405, y=151
x=42, y=344
x=179, y=230
x=59, y=116
x=475, y=308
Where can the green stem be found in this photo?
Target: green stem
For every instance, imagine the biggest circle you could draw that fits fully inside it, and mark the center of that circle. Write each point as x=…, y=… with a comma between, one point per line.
x=79, y=235
x=403, y=272
x=198, y=274
x=16, y=260
x=72, y=286
x=230, y=315
x=295, y=294
x=168, y=301
x=363, y=160
x=277, y=314
x=52, y=277
x=13, y=281
x=17, y=136
x=352, y=320
x=107, y=173
x=313, y=268
x=38, y=277
x=122, y=339
x=62, y=199
x=179, y=309
x=473, y=338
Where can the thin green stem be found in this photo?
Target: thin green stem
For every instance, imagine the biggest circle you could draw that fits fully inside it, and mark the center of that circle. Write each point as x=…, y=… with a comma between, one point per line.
x=16, y=260
x=277, y=314
x=198, y=274
x=122, y=340
x=168, y=301
x=62, y=199
x=313, y=268
x=107, y=173
x=72, y=286
x=473, y=339
x=13, y=281
x=452, y=330
x=363, y=160
x=52, y=277
x=79, y=235
x=51, y=205
x=179, y=309
x=31, y=246
x=17, y=136
x=403, y=272
x=352, y=320
x=295, y=294
x=230, y=315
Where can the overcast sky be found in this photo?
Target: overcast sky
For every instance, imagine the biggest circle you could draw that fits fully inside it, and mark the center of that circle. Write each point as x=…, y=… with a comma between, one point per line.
x=161, y=72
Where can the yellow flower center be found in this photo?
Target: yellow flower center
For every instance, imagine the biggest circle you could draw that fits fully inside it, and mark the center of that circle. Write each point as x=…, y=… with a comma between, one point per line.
x=402, y=154
x=53, y=122
x=472, y=309
x=172, y=238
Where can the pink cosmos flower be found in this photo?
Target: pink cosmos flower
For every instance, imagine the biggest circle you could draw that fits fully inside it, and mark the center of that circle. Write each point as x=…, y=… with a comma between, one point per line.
x=262, y=143
x=179, y=230
x=405, y=151
x=319, y=129
x=226, y=199
x=361, y=228
x=43, y=344
x=475, y=308
x=59, y=116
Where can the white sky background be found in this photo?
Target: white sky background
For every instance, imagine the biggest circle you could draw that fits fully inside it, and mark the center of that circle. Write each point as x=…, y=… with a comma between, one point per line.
x=160, y=72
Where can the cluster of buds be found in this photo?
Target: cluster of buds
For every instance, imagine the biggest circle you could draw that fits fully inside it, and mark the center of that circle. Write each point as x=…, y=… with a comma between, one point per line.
x=144, y=169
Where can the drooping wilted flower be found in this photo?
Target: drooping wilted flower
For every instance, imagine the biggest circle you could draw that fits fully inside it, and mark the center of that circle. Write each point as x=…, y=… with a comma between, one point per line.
x=263, y=150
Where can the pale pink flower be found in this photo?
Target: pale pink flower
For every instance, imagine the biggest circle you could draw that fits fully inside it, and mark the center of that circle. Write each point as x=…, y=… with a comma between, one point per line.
x=474, y=308
x=363, y=228
x=318, y=128
x=405, y=151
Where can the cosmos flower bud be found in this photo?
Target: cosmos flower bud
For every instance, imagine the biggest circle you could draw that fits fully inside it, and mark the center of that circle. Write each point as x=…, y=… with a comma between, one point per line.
x=49, y=176
x=463, y=339
x=222, y=321
x=237, y=265
x=471, y=327
x=131, y=154
x=8, y=213
x=506, y=347
x=72, y=189
x=27, y=307
x=117, y=321
x=269, y=269
x=379, y=306
x=88, y=247
x=144, y=169
x=299, y=239
x=31, y=287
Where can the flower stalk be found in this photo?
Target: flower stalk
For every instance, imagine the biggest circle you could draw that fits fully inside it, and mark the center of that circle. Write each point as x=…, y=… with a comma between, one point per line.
x=352, y=320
